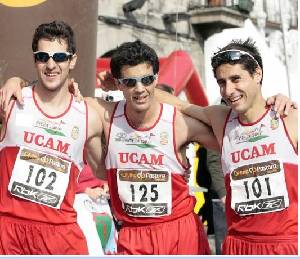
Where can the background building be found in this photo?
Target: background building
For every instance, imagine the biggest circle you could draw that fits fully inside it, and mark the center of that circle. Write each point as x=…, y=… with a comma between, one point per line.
x=199, y=27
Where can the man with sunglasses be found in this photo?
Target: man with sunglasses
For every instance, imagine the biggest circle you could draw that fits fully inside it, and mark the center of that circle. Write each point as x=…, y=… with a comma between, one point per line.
x=41, y=153
x=259, y=155
x=145, y=161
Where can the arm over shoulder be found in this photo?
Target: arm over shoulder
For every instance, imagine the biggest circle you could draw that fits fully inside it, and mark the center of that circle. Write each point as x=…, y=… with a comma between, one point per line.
x=192, y=130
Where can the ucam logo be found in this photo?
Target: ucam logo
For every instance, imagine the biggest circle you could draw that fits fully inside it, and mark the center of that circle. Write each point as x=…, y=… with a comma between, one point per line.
x=253, y=152
x=46, y=142
x=135, y=158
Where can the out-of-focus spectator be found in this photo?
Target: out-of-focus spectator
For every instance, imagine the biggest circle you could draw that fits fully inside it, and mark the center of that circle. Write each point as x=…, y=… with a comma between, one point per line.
x=210, y=176
x=94, y=214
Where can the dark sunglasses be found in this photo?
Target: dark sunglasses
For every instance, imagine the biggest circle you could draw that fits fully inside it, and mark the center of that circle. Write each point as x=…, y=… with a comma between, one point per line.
x=42, y=56
x=132, y=81
x=231, y=54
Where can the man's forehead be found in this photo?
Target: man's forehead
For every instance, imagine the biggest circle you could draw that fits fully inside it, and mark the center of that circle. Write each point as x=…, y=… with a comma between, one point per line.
x=55, y=42
x=228, y=70
x=140, y=69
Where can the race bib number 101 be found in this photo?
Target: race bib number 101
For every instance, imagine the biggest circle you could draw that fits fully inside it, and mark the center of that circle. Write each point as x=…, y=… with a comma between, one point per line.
x=40, y=178
x=258, y=188
x=145, y=193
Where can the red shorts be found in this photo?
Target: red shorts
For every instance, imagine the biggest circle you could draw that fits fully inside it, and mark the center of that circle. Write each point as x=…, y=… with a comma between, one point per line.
x=24, y=237
x=183, y=236
x=266, y=245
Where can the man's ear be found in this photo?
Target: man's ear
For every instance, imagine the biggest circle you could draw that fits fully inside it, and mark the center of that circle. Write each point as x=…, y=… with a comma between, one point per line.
x=119, y=86
x=73, y=61
x=258, y=75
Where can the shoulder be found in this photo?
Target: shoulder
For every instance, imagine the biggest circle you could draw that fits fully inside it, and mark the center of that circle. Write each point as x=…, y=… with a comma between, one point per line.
x=188, y=126
x=217, y=115
x=217, y=112
x=100, y=106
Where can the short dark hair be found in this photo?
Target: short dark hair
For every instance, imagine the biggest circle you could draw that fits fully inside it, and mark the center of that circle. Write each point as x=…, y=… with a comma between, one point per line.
x=249, y=63
x=132, y=54
x=52, y=31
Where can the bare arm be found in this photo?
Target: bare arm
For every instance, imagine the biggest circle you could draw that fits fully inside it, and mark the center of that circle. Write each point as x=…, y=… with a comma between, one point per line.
x=201, y=133
x=281, y=103
x=191, y=130
x=94, y=149
x=189, y=109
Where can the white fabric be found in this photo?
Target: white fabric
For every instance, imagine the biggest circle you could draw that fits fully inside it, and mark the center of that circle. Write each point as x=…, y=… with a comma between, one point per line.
x=44, y=180
x=253, y=155
x=63, y=136
x=85, y=220
x=149, y=153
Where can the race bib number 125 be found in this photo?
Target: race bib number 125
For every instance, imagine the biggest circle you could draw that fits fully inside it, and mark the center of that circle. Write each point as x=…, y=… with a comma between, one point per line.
x=145, y=193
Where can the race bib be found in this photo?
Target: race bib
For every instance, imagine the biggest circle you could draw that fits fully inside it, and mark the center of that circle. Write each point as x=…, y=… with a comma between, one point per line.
x=40, y=178
x=145, y=193
x=258, y=188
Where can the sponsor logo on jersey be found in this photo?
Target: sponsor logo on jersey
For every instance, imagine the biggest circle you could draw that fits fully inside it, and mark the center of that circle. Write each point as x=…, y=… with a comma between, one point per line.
x=44, y=160
x=141, y=159
x=260, y=206
x=136, y=139
x=50, y=126
x=75, y=133
x=46, y=142
x=149, y=209
x=253, y=152
x=249, y=135
x=164, y=138
x=143, y=176
x=30, y=193
x=254, y=170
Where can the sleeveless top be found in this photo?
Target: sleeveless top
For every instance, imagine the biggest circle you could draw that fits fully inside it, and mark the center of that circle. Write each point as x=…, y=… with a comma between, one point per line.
x=260, y=167
x=41, y=158
x=145, y=176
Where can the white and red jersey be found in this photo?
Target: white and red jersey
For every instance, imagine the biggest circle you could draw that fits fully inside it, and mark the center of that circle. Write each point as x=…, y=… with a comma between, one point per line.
x=261, y=177
x=145, y=175
x=41, y=157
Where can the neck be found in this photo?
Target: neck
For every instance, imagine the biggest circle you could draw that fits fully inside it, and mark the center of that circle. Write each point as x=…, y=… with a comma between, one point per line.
x=143, y=119
x=52, y=102
x=255, y=112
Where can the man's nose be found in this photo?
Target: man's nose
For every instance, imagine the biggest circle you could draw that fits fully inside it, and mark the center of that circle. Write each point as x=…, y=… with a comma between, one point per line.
x=229, y=88
x=139, y=86
x=51, y=63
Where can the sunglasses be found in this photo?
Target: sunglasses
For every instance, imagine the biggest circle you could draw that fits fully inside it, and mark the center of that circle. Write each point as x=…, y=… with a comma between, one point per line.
x=43, y=57
x=232, y=54
x=132, y=81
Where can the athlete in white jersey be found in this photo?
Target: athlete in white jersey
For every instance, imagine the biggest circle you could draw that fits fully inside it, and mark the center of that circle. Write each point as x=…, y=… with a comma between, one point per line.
x=177, y=230
x=258, y=155
x=42, y=152
x=135, y=67
x=261, y=174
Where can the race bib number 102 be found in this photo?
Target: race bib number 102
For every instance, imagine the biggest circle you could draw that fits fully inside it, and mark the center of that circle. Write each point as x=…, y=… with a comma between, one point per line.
x=145, y=193
x=40, y=178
